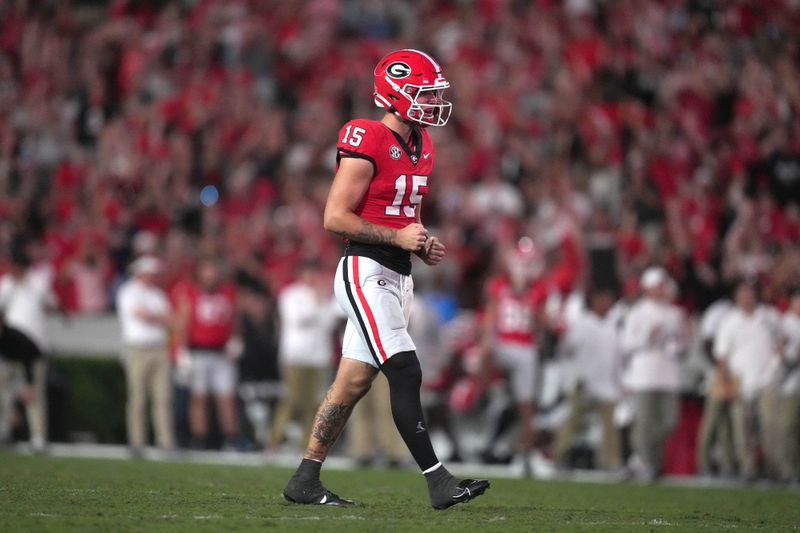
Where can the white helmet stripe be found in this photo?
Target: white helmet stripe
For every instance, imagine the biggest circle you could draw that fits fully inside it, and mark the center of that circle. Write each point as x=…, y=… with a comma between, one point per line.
x=426, y=56
x=399, y=90
x=380, y=101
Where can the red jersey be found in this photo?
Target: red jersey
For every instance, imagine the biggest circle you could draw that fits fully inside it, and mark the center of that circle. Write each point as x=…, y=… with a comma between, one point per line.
x=516, y=311
x=399, y=182
x=400, y=172
x=211, y=314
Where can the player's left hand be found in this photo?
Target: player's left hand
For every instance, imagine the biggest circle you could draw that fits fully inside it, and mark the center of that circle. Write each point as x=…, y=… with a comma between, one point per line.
x=433, y=251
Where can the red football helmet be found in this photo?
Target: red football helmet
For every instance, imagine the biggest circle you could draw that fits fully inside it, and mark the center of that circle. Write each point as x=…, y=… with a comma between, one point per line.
x=411, y=84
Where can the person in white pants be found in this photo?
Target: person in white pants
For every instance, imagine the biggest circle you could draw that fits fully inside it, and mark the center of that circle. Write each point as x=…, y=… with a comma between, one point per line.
x=653, y=339
x=145, y=316
x=748, y=361
x=592, y=343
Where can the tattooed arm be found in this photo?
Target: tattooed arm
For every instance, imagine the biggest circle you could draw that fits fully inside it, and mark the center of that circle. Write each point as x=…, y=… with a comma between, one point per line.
x=349, y=186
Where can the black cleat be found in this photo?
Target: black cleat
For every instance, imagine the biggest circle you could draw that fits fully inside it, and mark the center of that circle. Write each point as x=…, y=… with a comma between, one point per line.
x=464, y=491
x=312, y=492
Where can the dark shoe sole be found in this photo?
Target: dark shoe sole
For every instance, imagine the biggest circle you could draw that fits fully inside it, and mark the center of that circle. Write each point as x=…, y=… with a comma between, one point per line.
x=337, y=502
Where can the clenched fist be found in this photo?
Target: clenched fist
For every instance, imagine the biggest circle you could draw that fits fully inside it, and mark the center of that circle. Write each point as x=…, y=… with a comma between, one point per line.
x=411, y=237
x=433, y=251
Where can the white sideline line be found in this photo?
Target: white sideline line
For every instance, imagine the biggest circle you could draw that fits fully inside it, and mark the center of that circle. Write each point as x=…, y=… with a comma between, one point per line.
x=207, y=517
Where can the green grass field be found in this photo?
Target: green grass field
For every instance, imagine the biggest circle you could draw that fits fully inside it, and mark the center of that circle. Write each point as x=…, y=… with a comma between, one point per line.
x=57, y=494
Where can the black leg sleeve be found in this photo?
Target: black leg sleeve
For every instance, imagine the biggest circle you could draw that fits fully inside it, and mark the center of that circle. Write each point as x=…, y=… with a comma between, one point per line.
x=405, y=379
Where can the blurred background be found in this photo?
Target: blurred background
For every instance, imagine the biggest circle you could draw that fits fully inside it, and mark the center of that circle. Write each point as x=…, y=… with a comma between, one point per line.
x=607, y=136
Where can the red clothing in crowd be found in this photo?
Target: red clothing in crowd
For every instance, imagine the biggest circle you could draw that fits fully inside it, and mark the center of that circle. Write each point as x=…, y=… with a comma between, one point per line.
x=212, y=314
x=516, y=311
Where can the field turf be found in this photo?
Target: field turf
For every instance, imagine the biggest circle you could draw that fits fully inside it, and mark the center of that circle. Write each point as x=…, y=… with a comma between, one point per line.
x=58, y=494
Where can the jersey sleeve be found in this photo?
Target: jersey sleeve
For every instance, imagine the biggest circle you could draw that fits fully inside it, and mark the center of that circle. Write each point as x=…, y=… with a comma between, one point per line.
x=723, y=341
x=358, y=139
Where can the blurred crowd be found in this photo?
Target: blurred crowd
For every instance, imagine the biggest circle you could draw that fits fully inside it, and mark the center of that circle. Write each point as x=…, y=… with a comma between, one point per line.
x=614, y=135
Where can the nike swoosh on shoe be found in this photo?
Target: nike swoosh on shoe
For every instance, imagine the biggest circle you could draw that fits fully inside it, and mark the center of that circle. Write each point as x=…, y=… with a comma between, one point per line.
x=468, y=489
x=330, y=498
x=464, y=492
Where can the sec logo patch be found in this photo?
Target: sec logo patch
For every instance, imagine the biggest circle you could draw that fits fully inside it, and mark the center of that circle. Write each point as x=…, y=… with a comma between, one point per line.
x=395, y=152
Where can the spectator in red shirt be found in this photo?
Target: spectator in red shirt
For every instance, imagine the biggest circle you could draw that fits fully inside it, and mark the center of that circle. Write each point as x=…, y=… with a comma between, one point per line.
x=207, y=332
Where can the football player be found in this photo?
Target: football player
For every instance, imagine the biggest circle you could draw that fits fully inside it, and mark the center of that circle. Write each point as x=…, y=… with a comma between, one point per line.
x=514, y=312
x=207, y=326
x=374, y=204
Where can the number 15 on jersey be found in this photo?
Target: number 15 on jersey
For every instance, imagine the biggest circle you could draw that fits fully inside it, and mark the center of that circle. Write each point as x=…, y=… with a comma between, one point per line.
x=408, y=202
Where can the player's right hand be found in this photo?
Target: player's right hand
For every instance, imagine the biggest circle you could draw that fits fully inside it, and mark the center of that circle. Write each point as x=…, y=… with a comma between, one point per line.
x=411, y=237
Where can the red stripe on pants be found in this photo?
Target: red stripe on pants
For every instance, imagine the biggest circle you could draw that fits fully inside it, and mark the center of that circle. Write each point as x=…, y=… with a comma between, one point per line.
x=370, y=317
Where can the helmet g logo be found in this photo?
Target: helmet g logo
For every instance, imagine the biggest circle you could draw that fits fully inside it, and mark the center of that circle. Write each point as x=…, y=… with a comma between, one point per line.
x=398, y=69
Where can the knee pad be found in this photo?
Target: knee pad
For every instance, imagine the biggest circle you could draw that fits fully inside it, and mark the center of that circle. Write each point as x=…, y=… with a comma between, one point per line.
x=403, y=369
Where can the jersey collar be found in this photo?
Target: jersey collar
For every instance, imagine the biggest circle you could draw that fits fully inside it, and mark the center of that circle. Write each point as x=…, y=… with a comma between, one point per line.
x=414, y=152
